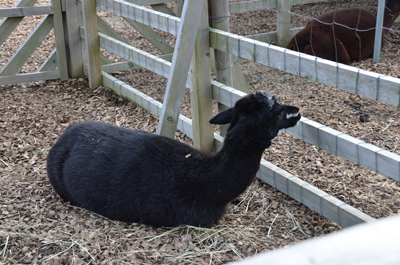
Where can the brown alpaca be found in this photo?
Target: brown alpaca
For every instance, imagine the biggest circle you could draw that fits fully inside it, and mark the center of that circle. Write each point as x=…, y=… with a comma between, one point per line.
x=343, y=43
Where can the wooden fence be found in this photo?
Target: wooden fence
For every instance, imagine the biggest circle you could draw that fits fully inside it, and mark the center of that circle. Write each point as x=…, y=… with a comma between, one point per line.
x=82, y=56
x=57, y=59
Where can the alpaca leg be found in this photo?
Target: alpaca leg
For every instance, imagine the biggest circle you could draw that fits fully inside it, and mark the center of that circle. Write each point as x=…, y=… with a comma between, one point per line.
x=342, y=55
x=334, y=51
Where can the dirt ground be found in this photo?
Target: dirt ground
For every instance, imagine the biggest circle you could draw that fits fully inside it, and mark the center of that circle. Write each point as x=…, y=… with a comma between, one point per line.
x=37, y=227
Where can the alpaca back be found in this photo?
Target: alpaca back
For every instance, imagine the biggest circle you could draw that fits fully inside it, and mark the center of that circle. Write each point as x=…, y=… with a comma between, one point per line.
x=128, y=174
x=137, y=176
x=358, y=43
x=344, y=35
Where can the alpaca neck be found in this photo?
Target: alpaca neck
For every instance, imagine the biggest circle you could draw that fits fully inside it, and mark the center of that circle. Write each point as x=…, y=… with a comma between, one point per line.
x=236, y=153
x=233, y=171
x=392, y=12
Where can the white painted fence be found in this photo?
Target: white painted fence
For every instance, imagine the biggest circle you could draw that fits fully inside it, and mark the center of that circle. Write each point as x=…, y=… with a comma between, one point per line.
x=372, y=85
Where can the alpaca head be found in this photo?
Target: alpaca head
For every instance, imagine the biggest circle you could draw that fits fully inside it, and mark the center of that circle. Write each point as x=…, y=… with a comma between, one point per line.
x=392, y=12
x=258, y=115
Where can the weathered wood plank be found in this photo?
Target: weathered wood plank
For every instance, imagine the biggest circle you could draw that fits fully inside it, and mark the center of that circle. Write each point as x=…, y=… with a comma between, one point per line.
x=28, y=47
x=223, y=60
x=378, y=31
x=317, y=200
x=26, y=11
x=178, y=7
x=302, y=2
x=200, y=93
x=163, y=8
x=283, y=23
x=141, y=14
x=60, y=40
x=106, y=29
x=147, y=2
x=366, y=244
x=247, y=6
x=74, y=45
x=137, y=56
x=118, y=67
x=30, y=77
x=368, y=84
x=92, y=43
x=179, y=69
x=270, y=37
x=152, y=36
x=9, y=24
x=333, y=141
x=51, y=63
x=347, y=148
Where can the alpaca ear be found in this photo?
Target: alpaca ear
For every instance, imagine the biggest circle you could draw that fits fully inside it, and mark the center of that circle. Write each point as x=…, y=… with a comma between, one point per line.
x=224, y=117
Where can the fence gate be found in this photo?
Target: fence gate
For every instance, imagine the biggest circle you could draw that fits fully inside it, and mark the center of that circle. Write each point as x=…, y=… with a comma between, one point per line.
x=55, y=66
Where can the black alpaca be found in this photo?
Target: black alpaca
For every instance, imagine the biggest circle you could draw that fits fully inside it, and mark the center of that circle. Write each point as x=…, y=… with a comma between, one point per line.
x=340, y=42
x=136, y=176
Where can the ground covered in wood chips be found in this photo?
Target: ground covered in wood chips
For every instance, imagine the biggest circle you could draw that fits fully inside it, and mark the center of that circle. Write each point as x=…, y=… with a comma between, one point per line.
x=37, y=227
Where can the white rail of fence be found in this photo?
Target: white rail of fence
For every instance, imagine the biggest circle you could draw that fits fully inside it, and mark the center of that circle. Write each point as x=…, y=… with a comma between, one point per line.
x=247, y=6
x=333, y=141
x=355, y=80
x=384, y=88
x=366, y=244
x=317, y=200
x=53, y=19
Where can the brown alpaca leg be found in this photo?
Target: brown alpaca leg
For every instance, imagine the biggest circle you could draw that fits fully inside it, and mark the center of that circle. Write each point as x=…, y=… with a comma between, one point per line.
x=342, y=54
x=326, y=49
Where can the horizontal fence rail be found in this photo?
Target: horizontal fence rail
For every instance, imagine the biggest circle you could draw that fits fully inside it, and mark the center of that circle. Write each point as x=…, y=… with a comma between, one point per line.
x=247, y=6
x=364, y=83
x=333, y=141
x=29, y=77
x=25, y=11
x=52, y=20
x=147, y=2
x=141, y=14
x=385, y=162
x=317, y=200
x=367, y=244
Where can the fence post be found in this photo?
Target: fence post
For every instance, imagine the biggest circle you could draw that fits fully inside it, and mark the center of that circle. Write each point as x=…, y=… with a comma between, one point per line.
x=60, y=41
x=179, y=7
x=92, y=43
x=219, y=12
x=72, y=23
x=9, y=24
x=378, y=31
x=179, y=69
x=201, y=93
x=283, y=22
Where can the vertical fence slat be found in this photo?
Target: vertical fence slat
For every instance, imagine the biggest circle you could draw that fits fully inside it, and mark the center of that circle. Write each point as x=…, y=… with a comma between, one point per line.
x=73, y=42
x=219, y=12
x=92, y=43
x=378, y=31
x=180, y=65
x=28, y=47
x=201, y=94
x=60, y=40
x=9, y=24
x=283, y=22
